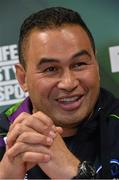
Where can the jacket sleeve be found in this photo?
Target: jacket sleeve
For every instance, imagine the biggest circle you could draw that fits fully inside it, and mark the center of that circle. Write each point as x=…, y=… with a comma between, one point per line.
x=2, y=147
x=109, y=145
x=114, y=144
x=4, y=126
x=114, y=135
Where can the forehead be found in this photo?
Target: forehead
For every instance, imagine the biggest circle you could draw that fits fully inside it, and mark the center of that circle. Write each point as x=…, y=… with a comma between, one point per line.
x=60, y=41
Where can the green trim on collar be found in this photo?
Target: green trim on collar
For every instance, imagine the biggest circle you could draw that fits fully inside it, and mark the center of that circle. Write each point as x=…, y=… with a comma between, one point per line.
x=114, y=115
x=12, y=109
x=3, y=134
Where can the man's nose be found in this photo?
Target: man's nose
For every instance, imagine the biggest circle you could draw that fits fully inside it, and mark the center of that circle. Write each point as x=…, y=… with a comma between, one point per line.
x=68, y=81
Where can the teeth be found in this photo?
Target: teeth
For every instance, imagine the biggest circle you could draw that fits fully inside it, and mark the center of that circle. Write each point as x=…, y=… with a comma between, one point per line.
x=69, y=99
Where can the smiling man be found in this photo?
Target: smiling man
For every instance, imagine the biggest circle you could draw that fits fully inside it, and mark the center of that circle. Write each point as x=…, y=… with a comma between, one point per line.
x=66, y=127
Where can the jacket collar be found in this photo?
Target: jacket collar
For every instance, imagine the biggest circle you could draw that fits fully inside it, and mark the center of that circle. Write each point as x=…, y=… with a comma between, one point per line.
x=25, y=106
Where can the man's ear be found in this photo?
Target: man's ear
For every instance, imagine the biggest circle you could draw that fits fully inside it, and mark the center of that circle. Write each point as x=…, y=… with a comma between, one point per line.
x=21, y=76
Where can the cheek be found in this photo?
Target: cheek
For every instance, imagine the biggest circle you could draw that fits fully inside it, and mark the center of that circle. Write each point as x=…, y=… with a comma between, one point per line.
x=44, y=87
x=90, y=80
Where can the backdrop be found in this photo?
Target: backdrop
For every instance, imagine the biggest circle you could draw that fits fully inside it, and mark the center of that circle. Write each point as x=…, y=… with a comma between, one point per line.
x=101, y=17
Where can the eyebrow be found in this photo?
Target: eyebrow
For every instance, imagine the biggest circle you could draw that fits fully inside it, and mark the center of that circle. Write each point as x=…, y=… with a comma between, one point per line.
x=46, y=60
x=81, y=53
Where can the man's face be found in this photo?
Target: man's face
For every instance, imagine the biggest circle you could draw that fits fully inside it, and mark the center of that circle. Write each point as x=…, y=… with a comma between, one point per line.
x=62, y=75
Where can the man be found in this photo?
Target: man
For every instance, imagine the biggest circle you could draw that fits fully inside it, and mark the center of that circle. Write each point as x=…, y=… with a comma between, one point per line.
x=68, y=126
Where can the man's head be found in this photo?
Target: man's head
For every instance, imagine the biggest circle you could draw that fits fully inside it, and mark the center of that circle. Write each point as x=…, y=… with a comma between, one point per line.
x=60, y=72
x=50, y=18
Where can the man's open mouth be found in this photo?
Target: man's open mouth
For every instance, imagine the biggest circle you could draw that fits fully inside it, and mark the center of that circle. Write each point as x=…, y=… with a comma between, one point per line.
x=69, y=99
x=70, y=103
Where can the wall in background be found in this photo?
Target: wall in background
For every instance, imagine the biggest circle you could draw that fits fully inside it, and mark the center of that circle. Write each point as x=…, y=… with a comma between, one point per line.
x=101, y=18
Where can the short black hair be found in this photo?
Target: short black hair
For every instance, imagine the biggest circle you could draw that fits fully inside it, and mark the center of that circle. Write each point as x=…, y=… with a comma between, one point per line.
x=47, y=19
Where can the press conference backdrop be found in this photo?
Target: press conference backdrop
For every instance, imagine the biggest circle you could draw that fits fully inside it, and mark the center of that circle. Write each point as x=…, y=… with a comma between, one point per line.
x=100, y=15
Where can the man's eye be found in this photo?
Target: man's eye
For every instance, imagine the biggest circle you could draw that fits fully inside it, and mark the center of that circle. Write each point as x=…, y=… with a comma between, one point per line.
x=79, y=65
x=50, y=69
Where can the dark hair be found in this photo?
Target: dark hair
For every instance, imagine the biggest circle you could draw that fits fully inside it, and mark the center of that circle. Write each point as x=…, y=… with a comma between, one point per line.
x=47, y=19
